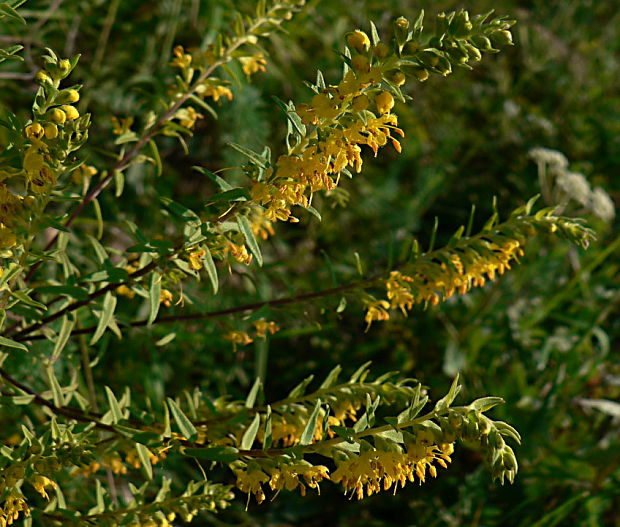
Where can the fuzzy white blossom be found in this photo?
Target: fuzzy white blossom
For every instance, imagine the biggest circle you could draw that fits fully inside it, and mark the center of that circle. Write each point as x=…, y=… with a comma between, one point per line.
x=553, y=158
x=575, y=186
x=602, y=205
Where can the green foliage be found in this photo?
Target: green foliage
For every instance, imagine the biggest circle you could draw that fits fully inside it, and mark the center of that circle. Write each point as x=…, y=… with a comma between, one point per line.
x=188, y=226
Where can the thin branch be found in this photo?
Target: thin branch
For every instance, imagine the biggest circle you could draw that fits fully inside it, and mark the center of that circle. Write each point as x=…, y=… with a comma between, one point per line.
x=22, y=336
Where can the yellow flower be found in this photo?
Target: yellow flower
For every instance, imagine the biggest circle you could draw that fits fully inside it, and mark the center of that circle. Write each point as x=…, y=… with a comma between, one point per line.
x=360, y=103
x=377, y=310
x=238, y=337
x=121, y=126
x=83, y=172
x=250, y=480
x=51, y=131
x=253, y=63
x=56, y=115
x=384, y=102
x=181, y=59
x=359, y=41
x=7, y=237
x=165, y=297
x=263, y=327
x=288, y=476
x=40, y=482
x=240, y=253
x=187, y=117
x=399, y=293
x=13, y=505
x=125, y=291
x=216, y=92
x=71, y=112
x=34, y=131
x=195, y=259
x=360, y=63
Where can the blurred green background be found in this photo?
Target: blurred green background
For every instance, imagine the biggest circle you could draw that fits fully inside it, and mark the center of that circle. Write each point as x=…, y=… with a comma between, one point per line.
x=545, y=337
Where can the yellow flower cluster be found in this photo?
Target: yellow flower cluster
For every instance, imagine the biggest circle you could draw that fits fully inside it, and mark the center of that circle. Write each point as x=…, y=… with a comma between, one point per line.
x=432, y=281
x=13, y=505
x=343, y=124
x=40, y=483
x=377, y=470
x=285, y=476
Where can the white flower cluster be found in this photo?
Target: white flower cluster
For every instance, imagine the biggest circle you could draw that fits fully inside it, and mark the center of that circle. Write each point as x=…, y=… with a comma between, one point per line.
x=573, y=185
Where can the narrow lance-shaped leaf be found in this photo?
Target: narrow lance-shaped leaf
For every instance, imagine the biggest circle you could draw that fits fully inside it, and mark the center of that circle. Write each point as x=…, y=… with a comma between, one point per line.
x=117, y=413
x=145, y=460
x=63, y=336
x=308, y=433
x=246, y=230
x=250, y=434
x=154, y=296
x=109, y=305
x=185, y=425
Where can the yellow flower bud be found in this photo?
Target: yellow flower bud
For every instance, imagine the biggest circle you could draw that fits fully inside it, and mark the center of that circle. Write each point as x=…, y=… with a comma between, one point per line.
x=360, y=63
x=381, y=50
x=67, y=97
x=7, y=238
x=401, y=23
x=51, y=131
x=359, y=41
x=34, y=131
x=64, y=66
x=71, y=112
x=398, y=78
x=43, y=78
x=384, y=102
x=422, y=75
x=56, y=115
x=360, y=103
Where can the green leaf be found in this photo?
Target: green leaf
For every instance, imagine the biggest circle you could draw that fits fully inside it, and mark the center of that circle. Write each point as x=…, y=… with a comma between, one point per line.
x=109, y=305
x=185, y=425
x=250, y=434
x=55, y=387
x=63, y=336
x=446, y=401
x=268, y=438
x=251, y=399
x=211, y=269
x=72, y=291
x=12, y=344
x=157, y=159
x=331, y=378
x=145, y=460
x=117, y=413
x=8, y=11
x=300, y=389
x=485, y=403
x=246, y=230
x=222, y=184
x=223, y=454
x=250, y=154
x=308, y=433
x=154, y=297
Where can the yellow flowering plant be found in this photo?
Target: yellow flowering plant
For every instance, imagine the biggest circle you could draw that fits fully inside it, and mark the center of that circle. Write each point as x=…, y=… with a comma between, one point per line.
x=67, y=292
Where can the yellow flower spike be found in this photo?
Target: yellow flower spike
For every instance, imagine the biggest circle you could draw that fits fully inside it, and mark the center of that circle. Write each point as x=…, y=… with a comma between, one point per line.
x=249, y=481
x=384, y=102
x=71, y=112
x=240, y=253
x=359, y=41
x=34, y=131
x=51, y=131
x=56, y=115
